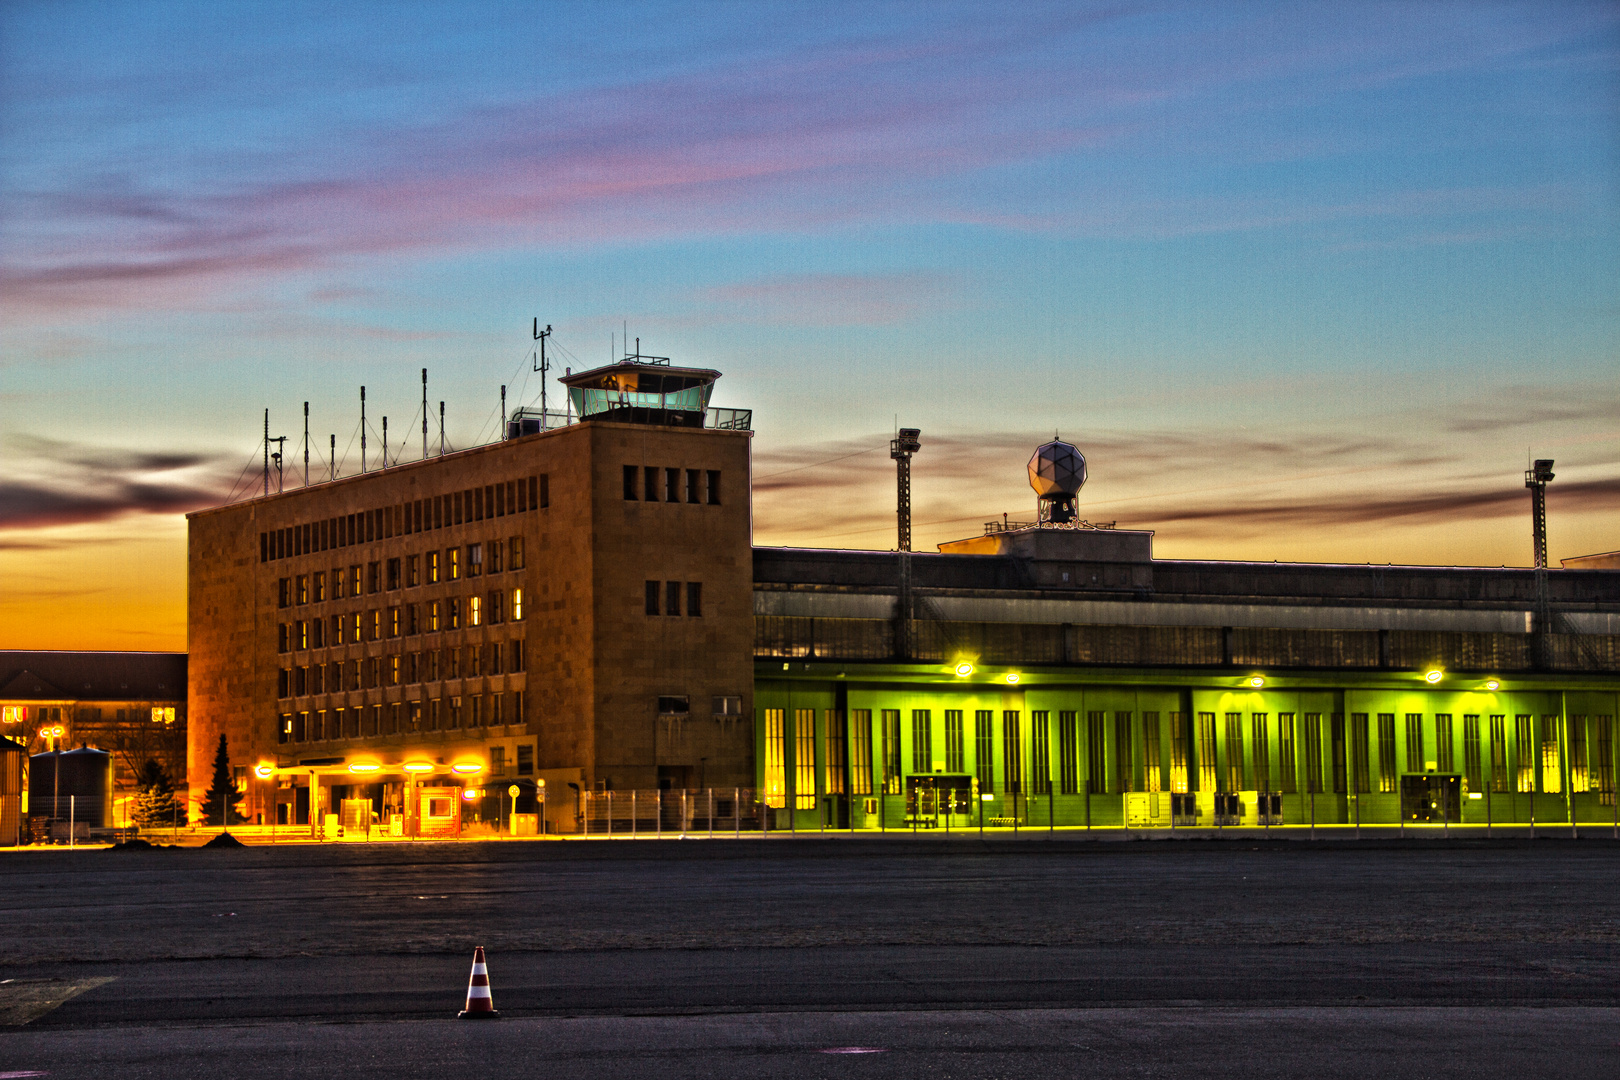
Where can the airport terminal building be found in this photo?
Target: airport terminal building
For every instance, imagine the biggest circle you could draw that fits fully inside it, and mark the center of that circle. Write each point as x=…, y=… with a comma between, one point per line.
x=578, y=609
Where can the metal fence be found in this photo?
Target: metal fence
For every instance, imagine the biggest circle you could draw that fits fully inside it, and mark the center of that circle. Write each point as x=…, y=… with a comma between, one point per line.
x=653, y=813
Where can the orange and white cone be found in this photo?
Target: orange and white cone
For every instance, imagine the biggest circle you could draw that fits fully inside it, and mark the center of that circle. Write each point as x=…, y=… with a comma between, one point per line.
x=480, y=1006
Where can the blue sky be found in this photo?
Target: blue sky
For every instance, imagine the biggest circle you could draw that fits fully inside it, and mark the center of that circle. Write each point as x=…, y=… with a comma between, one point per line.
x=1303, y=281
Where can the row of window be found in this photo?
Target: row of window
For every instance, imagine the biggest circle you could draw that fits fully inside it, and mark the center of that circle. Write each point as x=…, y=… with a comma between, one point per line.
x=664, y=598
x=407, y=571
x=652, y=483
x=406, y=620
x=402, y=717
x=400, y=669
x=1103, y=752
x=405, y=519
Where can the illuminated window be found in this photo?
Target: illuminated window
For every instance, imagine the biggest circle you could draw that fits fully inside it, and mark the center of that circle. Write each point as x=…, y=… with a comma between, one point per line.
x=1205, y=748
x=891, y=752
x=1286, y=772
x=517, y=605
x=303, y=588
x=354, y=580
x=804, y=759
x=1040, y=767
x=475, y=611
x=1234, y=753
x=1602, y=740
x=860, y=757
x=452, y=613
x=1526, y=758
x=1152, y=767
x=1499, y=754
x=1579, y=779
x=922, y=741
x=832, y=753
x=775, y=752
x=1012, y=751
x=452, y=559
x=1551, y=772
x=984, y=750
x=1124, y=756
x=1068, y=754
x=393, y=670
x=954, y=755
x=433, y=567
x=161, y=714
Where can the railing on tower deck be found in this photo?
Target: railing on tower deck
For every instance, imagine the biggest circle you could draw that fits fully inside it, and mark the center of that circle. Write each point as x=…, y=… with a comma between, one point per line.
x=646, y=813
x=530, y=421
x=730, y=419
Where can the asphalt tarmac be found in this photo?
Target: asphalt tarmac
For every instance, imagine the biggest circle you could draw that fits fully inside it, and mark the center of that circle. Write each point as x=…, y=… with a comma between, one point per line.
x=755, y=958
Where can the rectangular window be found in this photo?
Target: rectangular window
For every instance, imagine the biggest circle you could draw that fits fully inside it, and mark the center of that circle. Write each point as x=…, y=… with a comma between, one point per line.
x=1096, y=754
x=1360, y=749
x=1443, y=757
x=519, y=662
x=954, y=750
x=672, y=598
x=922, y=742
x=354, y=580
x=284, y=592
x=475, y=560
x=393, y=670
x=860, y=761
x=1124, y=758
x=475, y=711
x=1499, y=754
x=319, y=586
x=694, y=599
x=373, y=577
x=1234, y=753
x=338, y=582
x=1578, y=774
x=649, y=486
x=302, y=589
x=452, y=564
x=517, y=605
x=497, y=607
x=545, y=491
x=804, y=759
x=1414, y=742
x=1012, y=751
x=653, y=589
x=453, y=717
x=413, y=571
x=1287, y=763
x=394, y=622
x=300, y=681
x=284, y=728
x=475, y=611
x=1311, y=734
x=1180, y=735
x=1526, y=758
x=1260, y=749
x=984, y=750
x=775, y=745
x=1551, y=772
x=393, y=574
x=1152, y=764
x=525, y=759
x=630, y=492
x=1473, y=766
x=1068, y=754
x=1040, y=763
x=891, y=752
x=1602, y=741
x=832, y=752
x=411, y=626
x=672, y=485
x=452, y=613
x=1206, y=751
x=713, y=490
x=433, y=568
x=693, y=486
x=514, y=552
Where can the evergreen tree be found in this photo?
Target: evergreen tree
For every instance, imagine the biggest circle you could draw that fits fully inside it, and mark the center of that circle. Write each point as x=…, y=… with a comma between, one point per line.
x=219, y=804
x=155, y=804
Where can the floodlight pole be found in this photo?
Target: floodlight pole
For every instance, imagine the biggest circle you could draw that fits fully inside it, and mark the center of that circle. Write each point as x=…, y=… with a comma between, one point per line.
x=1536, y=478
x=907, y=442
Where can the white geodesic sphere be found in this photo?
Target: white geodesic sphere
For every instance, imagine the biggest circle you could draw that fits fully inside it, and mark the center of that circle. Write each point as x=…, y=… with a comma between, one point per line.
x=1057, y=469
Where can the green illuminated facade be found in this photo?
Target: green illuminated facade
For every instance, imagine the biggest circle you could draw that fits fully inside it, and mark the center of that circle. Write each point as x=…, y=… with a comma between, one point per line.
x=1385, y=696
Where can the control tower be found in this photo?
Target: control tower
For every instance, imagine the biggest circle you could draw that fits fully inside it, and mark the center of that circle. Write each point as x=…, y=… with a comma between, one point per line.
x=644, y=390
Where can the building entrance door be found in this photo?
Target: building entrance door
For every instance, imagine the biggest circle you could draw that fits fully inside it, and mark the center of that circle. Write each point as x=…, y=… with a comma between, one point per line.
x=1431, y=797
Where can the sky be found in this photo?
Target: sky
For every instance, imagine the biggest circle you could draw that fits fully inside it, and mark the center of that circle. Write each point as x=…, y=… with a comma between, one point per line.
x=1302, y=281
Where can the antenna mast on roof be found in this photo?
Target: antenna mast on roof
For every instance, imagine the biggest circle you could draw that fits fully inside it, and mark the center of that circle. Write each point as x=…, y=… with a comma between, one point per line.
x=362, y=431
x=385, y=442
x=424, y=414
x=267, y=452
x=541, y=366
x=333, y=460
x=306, y=444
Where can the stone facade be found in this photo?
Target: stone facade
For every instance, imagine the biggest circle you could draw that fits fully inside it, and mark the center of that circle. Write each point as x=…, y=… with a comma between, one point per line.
x=487, y=607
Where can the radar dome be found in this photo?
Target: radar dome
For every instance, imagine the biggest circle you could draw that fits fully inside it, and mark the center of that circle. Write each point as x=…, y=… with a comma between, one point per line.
x=1057, y=470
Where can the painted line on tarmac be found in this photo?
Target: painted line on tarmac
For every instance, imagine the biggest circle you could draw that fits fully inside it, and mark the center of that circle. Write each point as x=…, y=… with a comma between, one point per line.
x=23, y=1001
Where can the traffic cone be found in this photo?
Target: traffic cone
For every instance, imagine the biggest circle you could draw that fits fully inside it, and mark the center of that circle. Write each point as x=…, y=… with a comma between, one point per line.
x=480, y=1006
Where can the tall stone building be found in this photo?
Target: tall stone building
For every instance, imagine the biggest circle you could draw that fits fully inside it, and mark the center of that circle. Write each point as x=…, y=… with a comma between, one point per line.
x=571, y=606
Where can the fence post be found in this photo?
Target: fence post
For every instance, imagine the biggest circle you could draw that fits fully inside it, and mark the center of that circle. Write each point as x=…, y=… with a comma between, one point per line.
x=736, y=813
x=711, y=813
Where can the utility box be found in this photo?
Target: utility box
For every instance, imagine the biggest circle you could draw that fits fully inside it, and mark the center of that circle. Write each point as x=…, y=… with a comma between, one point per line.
x=1147, y=809
x=525, y=824
x=439, y=812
